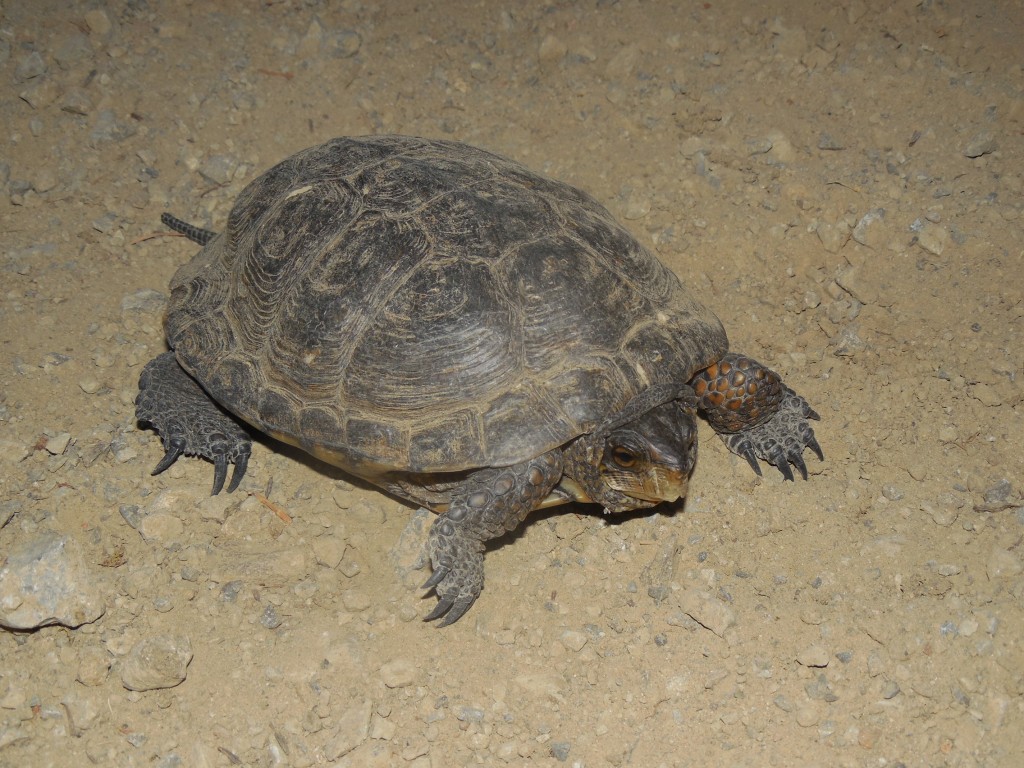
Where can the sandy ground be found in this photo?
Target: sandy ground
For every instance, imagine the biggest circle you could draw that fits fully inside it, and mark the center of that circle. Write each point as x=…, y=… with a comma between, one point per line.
x=841, y=182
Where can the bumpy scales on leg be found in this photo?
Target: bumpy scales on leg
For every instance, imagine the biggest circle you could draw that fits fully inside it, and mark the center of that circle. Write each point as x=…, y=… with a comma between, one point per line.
x=492, y=502
x=189, y=422
x=755, y=414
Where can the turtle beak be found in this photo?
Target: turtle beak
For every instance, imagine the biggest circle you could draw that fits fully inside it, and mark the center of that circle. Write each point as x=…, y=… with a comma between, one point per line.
x=662, y=484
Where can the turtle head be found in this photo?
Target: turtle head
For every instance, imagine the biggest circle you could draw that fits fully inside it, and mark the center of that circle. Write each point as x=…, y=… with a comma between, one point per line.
x=650, y=458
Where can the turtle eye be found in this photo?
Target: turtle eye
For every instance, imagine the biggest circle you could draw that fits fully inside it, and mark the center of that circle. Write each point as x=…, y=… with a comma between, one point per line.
x=624, y=457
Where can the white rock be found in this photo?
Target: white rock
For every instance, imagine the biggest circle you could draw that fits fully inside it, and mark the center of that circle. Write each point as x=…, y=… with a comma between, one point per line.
x=353, y=728
x=707, y=610
x=398, y=673
x=813, y=656
x=45, y=581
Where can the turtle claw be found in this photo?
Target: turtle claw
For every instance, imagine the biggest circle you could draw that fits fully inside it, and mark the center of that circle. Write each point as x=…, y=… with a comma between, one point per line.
x=220, y=473
x=780, y=440
x=798, y=462
x=241, y=463
x=175, y=450
x=450, y=610
x=781, y=462
x=748, y=453
x=813, y=445
x=442, y=607
x=436, y=578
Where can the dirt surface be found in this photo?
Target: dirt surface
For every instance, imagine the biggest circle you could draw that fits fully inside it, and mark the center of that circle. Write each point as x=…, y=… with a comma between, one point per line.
x=842, y=183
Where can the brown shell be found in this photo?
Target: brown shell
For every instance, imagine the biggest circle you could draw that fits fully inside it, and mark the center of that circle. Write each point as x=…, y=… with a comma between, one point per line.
x=394, y=303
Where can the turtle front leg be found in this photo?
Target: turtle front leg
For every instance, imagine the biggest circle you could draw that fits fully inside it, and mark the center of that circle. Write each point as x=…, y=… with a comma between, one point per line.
x=490, y=503
x=756, y=414
x=189, y=422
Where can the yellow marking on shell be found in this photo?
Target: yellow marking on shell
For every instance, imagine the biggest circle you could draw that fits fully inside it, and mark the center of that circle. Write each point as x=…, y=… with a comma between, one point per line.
x=299, y=191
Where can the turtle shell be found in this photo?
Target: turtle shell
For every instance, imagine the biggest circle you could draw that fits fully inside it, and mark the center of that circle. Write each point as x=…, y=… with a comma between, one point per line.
x=391, y=303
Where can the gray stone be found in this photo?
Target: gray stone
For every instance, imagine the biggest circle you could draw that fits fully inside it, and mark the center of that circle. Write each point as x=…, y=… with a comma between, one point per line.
x=8, y=509
x=108, y=129
x=45, y=581
x=343, y=43
x=869, y=231
x=981, y=144
x=560, y=750
x=29, y=66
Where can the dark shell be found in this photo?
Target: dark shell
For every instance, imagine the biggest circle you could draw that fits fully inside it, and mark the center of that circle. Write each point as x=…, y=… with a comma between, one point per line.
x=393, y=303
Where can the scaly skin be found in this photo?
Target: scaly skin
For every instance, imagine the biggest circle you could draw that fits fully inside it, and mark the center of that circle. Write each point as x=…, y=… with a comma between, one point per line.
x=191, y=231
x=755, y=414
x=189, y=422
x=492, y=502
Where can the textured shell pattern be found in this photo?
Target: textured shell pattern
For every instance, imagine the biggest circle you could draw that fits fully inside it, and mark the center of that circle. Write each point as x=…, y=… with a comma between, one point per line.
x=402, y=304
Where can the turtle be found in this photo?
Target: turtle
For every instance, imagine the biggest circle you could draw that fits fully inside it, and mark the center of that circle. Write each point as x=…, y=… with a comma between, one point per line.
x=461, y=332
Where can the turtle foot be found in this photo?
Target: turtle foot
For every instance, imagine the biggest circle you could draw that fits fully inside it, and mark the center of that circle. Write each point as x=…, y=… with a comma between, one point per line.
x=458, y=578
x=780, y=440
x=189, y=422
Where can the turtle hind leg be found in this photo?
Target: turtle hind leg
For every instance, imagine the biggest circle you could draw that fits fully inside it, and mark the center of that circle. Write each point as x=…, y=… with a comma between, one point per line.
x=189, y=422
x=756, y=414
x=490, y=503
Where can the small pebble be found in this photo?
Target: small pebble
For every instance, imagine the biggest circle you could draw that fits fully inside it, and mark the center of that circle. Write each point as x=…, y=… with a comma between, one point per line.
x=343, y=44
x=980, y=144
x=560, y=750
x=270, y=618
x=706, y=610
x=98, y=22
x=398, y=673
x=813, y=656
x=868, y=231
x=783, y=703
x=353, y=727
x=827, y=142
x=1003, y=564
x=552, y=49
x=892, y=493
x=999, y=493
x=807, y=717
x=469, y=714
x=229, y=591
x=57, y=443
x=93, y=666
x=329, y=549
x=890, y=690
x=573, y=640
x=156, y=662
